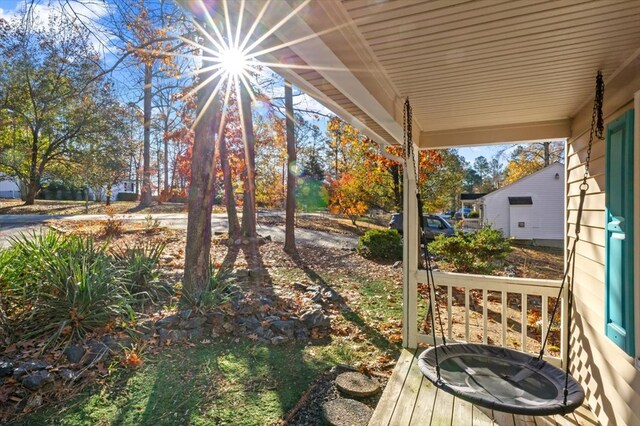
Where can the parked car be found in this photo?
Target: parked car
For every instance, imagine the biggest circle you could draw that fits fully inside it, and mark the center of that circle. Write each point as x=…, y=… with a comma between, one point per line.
x=462, y=213
x=433, y=225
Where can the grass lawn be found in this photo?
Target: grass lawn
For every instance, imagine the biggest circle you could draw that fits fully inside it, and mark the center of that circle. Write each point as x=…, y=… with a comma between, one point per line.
x=232, y=380
x=222, y=383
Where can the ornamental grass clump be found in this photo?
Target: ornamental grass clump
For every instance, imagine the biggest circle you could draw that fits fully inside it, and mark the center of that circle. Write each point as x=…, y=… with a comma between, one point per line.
x=61, y=287
x=220, y=289
x=139, y=268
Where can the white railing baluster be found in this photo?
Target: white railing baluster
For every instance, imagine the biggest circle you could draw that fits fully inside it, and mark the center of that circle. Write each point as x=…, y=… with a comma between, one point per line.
x=545, y=318
x=524, y=322
x=485, y=312
x=449, y=304
x=504, y=320
x=466, y=314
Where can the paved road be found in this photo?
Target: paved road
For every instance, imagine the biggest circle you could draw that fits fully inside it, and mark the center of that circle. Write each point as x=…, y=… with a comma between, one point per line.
x=12, y=225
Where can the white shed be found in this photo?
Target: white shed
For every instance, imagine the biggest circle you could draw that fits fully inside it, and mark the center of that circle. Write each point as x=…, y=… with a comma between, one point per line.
x=8, y=187
x=531, y=208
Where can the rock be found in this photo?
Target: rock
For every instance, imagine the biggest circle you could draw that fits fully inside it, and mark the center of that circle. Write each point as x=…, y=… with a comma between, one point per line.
x=357, y=384
x=397, y=265
x=68, y=375
x=346, y=412
x=37, y=380
x=35, y=401
x=301, y=334
x=315, y=318
x=111, y=343
x=6, y=368
x=264, y=333
x=125, y=342
x=272, y=318
x=28, y=367
x=196, y=334
x=169, y=322
x=98, y=352
x=215, y=318
x=278, y=340
x=172, y=335
x=185, y=314
x=283, y=327
x=74, y=353
x=300, y=287
x=265, y=300
x=196, y=322
x=146, y=326
x=251, y=323
x=237, y=242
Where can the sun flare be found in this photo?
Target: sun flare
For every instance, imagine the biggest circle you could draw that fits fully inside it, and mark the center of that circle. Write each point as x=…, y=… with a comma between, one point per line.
x=234, y=61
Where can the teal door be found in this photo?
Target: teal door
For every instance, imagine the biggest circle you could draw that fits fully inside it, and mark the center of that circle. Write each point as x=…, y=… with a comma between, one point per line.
x=619, y=233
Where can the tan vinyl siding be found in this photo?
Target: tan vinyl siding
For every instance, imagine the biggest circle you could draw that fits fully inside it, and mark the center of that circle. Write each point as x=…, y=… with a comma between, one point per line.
x=610, y=379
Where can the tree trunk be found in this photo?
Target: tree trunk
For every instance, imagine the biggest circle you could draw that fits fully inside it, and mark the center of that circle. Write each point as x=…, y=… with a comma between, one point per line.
x=249, y=200
x=289, y=235
x=33, y=183
x=397, y=192
x=547, y=153
x=146, y=198
x=32, y=191
x=198, y=246
x=229, y=197
x=166, y=153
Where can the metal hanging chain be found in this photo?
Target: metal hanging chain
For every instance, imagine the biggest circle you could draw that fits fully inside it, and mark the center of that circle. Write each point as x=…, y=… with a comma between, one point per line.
x=409, y=155
x=597, y=130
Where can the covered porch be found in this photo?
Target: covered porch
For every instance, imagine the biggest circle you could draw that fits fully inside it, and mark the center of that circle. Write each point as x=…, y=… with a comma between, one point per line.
x=480, y=73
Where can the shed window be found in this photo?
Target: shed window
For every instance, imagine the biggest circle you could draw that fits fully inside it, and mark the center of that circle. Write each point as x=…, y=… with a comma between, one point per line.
x=520, y=201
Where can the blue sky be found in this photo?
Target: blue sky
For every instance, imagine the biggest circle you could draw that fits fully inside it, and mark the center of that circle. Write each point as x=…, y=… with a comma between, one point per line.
x=95, y=10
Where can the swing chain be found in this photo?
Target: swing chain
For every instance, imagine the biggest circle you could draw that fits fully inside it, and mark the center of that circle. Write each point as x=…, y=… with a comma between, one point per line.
x=597, y=125
x=409, y=151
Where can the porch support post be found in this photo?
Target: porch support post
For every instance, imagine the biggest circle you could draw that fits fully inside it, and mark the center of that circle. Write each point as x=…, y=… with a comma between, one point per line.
x=410, y=249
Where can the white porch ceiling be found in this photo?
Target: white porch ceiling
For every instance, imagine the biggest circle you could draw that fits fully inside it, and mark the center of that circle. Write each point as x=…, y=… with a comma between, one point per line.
x=471, y=68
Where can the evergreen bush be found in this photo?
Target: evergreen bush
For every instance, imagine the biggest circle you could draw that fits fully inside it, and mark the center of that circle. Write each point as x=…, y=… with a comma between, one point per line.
x=380, y=244
x=479, y=252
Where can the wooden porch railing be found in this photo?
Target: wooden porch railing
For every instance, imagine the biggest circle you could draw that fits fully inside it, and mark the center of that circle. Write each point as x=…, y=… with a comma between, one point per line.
x=524, y=287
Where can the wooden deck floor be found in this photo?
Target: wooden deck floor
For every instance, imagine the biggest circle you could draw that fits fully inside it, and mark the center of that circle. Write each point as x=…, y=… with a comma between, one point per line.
x=410, y=399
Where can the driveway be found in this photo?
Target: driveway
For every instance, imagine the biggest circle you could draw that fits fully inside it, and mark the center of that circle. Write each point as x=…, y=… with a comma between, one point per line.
x=12, y=225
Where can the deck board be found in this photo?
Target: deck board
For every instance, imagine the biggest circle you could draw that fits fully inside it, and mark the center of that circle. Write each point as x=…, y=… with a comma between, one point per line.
x=407, y=401
x=424, y=404
x=392, y=391
x=410, y=399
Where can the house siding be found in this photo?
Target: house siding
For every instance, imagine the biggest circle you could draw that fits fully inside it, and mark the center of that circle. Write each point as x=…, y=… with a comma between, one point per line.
x=545, y=215
x=611, y=380
x=8, y=188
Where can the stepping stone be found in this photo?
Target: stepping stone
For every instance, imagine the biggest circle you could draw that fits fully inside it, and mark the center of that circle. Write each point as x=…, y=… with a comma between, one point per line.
x=357, y=384
x=346, y=412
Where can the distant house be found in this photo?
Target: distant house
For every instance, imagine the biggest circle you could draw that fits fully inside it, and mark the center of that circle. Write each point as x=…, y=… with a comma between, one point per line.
x=8, y=187
x=531, y=208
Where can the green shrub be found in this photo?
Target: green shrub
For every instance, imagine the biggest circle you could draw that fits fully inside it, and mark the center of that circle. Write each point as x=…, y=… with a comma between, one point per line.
x=380, y=244
x=127, y=196
x=473, y=215
x=478, y=252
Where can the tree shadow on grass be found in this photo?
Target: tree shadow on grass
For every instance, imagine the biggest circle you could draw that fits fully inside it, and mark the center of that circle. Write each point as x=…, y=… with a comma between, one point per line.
x=372, y=335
